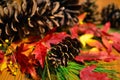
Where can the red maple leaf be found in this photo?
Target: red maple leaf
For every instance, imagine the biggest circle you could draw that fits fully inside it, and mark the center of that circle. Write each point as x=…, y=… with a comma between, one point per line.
x=87, y=28
x=95, y=56
x=54, y=38
x=107, y=44
x=40, y=52
x=106, y=27
x=116, y=41
x=116, y=45
x=1, y=56
x=74, y=31
x=88, y=74
x=24, y=61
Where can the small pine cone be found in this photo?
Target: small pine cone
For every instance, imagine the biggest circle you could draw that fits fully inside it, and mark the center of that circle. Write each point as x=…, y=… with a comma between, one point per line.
x=111, y=14
x=64, y=51
x=90, y=8
x=35, y=17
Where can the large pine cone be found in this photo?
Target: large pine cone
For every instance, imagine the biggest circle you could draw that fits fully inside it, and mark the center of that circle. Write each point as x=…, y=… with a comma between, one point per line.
x=111, y=14
x=90, y=8
x=64, y=51
x=35, y=17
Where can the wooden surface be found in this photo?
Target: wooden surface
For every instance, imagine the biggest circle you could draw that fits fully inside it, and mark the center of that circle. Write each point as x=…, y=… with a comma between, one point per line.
x=103, y=3
x=5, y=75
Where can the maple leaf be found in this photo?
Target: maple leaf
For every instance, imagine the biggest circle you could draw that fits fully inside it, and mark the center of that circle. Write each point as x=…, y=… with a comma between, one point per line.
x=3, y=64
x=94, y=54
x=74, y=31
x=94, y=43
x=3, y=61
x=86, y=28
x=88, y=74
x=82, y=17
x=111, y=41
x=107, y=44
x=116, y=41
x=85, y=38
x=54, y=38
x=89, y=28
x=116, y=45
x=1, y=56
x=24, y=61
x=40, y=52
x=41, y=49
x=106, y=27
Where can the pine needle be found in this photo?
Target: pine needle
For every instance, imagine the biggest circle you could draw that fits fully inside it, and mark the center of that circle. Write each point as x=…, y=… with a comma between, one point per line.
x=48, y=72
x=71, y=72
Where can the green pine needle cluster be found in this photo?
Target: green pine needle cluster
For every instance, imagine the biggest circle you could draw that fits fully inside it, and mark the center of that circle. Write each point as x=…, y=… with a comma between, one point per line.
x=72, y=71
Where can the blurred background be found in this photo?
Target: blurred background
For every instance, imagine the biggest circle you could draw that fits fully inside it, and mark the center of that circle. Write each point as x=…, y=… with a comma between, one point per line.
x=103, y=3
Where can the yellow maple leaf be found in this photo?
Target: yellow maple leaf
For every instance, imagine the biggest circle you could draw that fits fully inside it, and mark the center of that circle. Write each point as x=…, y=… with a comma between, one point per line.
x=94, y=50
x=85, y=38
x=3, y=65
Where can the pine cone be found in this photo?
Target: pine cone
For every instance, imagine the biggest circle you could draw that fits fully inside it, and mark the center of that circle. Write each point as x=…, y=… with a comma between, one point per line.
x=64, y=51
x=35, y=17
x=91, y=9
x=15, y=19
x=2, y=2
x=69, y=9
x=111, y=14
